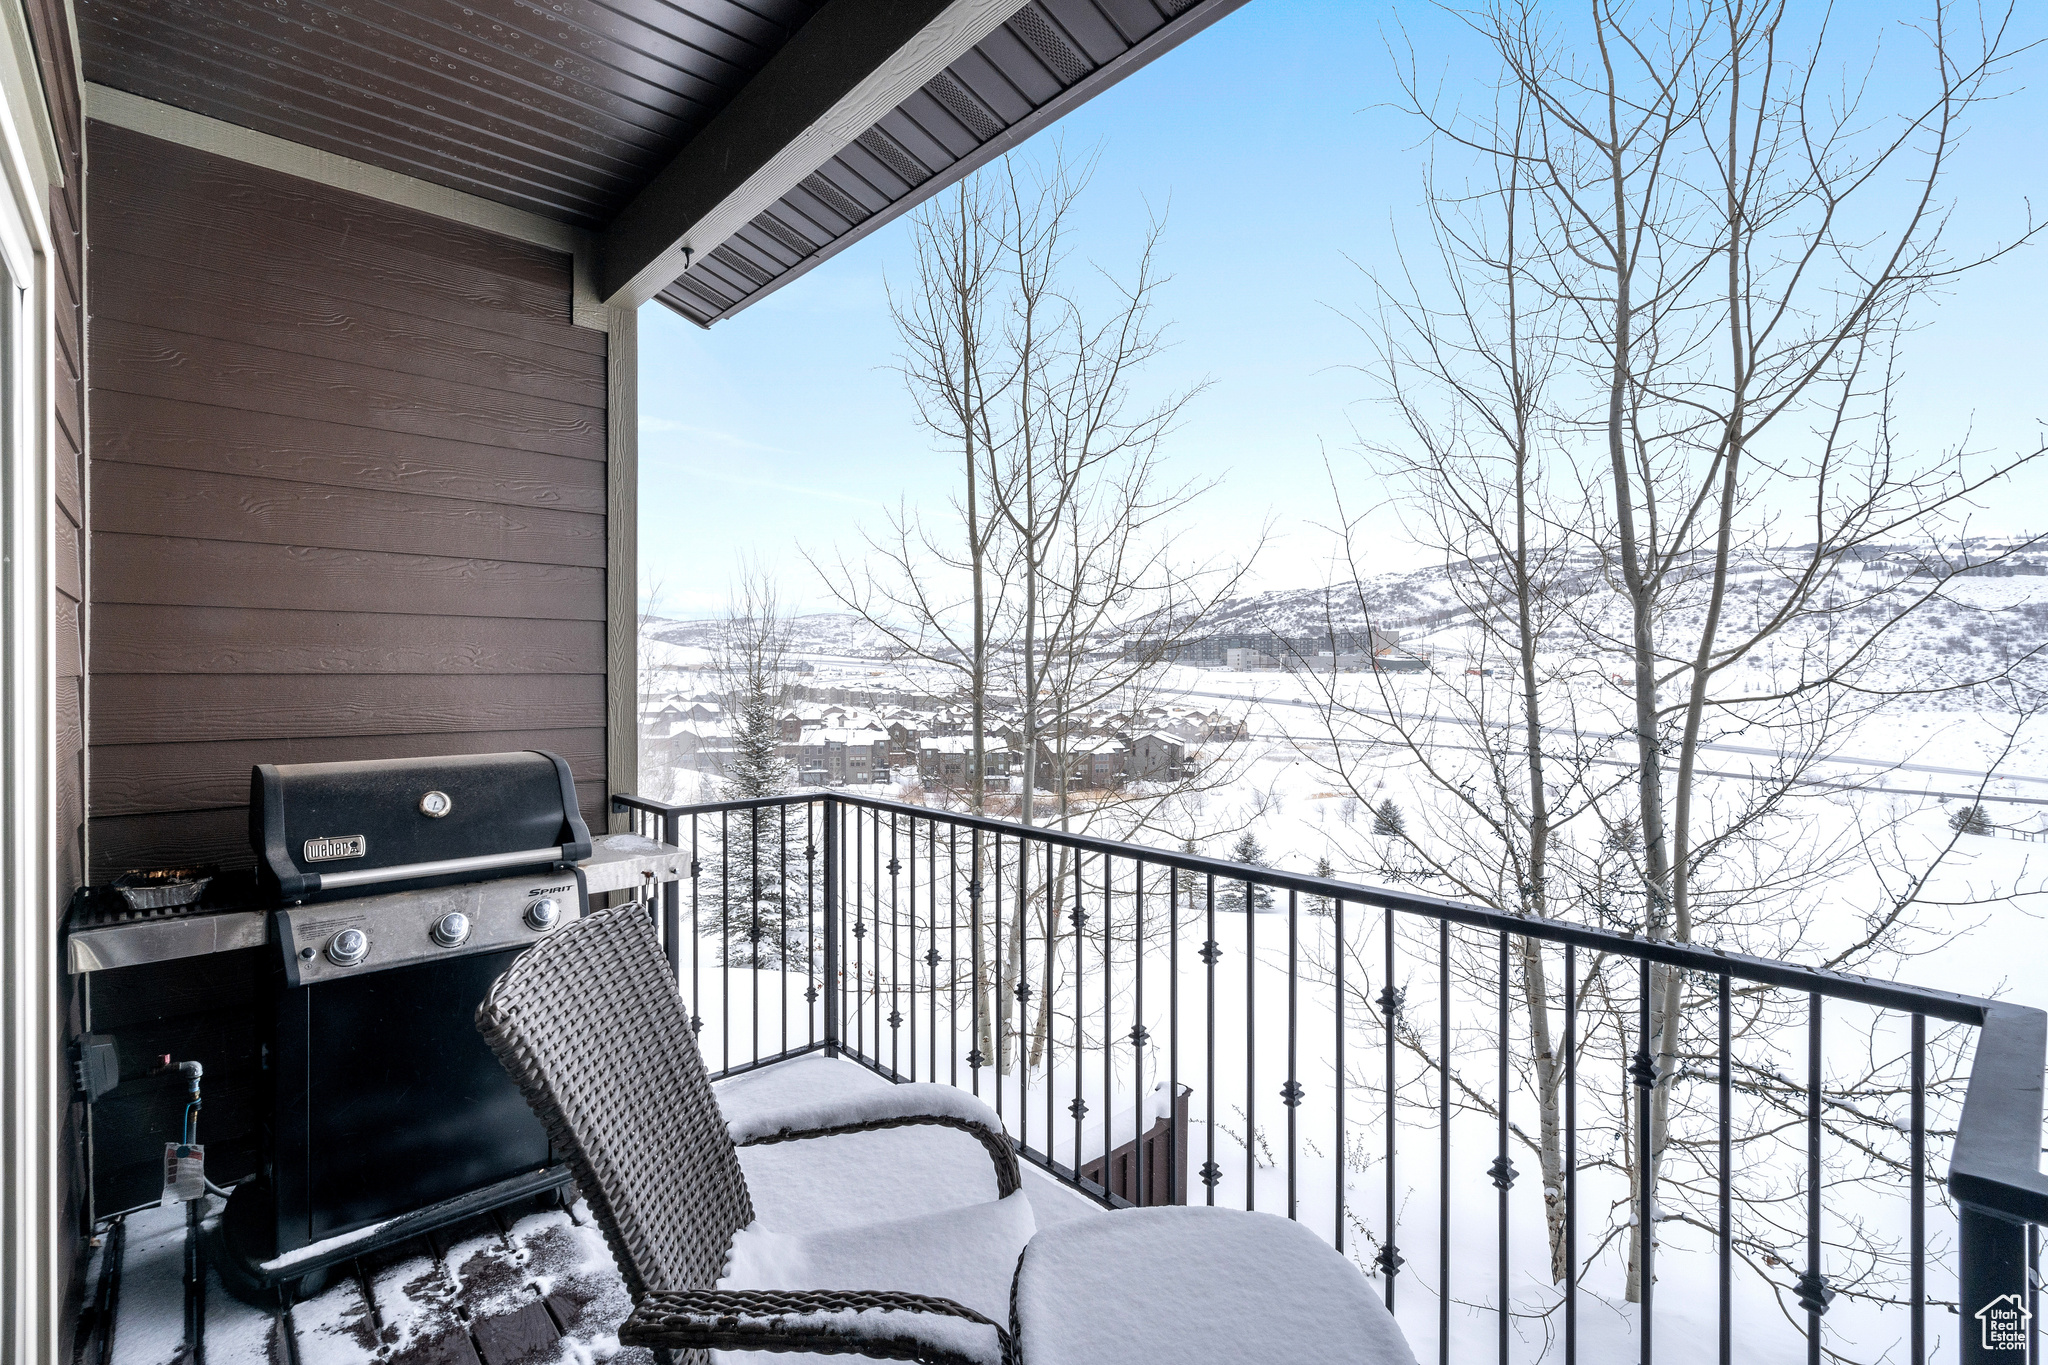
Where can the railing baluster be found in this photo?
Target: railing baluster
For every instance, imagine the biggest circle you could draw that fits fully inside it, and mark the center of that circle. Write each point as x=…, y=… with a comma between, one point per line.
x=1337, y=1019
x=671, y=897
x=952, y=956
x=1443, y=1156
x=1917, y=1232
x=860, y=940
x=1210, y=953
x=1503, y=1169
x=782, y=916
x=1725, y=1250
x=1176, y=1159
x=910, y=954
x=1251, y=1053
x=811, y=986
x=830, y=969
x=895, y=950
x=1140, y=1191
x=875, y=832
x=975, y=1059
x=1644, y=1073
x=1079, y=1106
x=725, y=939
x=1390, y=1008
x=696, y=934
x=1815, y=1293
x=1108, y=1000
x=1571, y=1155
x=1290, y=1094
x=754, y=923
x=999, y=1009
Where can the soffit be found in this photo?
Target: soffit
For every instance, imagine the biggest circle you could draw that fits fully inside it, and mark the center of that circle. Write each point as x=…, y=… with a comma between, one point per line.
x=569, y=109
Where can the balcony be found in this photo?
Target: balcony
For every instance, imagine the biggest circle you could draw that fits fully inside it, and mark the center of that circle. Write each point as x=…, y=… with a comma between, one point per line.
x=1160, y=1028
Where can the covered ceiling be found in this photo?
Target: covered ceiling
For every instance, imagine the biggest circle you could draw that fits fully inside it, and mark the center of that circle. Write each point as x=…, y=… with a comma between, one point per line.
x=608, y=116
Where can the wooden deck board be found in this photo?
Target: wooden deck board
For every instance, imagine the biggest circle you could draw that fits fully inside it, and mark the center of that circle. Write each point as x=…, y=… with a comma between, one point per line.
x=473, y=1294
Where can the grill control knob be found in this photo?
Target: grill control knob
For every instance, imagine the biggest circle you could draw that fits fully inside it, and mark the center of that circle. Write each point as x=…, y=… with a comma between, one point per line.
x=544, y=914
x=348, y=947
x=451, y=930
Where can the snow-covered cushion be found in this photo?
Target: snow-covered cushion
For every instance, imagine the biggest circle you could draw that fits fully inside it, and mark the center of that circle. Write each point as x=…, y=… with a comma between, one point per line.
x=964, y=1254
x=1196, y=1286
x=825, y=1092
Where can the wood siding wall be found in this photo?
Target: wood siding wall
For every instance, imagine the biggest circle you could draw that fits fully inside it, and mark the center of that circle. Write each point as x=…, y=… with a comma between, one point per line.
x=348, y=490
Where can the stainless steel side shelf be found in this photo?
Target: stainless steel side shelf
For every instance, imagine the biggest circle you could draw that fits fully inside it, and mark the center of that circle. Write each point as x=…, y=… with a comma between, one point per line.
x=618, y=862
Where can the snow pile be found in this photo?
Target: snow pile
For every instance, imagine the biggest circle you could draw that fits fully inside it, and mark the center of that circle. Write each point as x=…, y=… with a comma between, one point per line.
x=965, y=1254
x=1197, y=1286
x=823, y=1092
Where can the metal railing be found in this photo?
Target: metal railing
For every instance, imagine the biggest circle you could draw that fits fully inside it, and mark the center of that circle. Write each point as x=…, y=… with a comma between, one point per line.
x=1056, y=973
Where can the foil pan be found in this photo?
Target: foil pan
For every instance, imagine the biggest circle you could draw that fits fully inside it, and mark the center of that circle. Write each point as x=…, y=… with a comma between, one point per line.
x=163, y=889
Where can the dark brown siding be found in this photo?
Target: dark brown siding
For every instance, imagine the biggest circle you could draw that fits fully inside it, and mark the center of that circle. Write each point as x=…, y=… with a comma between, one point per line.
x=349, y=495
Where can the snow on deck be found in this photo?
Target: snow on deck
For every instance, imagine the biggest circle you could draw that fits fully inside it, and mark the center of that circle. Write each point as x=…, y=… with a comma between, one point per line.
x=537, y=1285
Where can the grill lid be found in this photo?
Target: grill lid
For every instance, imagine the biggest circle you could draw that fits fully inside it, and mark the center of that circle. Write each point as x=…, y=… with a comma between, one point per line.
x=323, y=830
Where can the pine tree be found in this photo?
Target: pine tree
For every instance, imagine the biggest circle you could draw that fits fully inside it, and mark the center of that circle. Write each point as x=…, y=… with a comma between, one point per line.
x=1323, y=905
x=1386, y=818
x=1231, y=895
x=1185, y=880
x=765, y=921
x=1972, y=819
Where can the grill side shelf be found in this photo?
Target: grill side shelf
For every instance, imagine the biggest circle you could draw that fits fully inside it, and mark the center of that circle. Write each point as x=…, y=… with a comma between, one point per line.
x=619, y=862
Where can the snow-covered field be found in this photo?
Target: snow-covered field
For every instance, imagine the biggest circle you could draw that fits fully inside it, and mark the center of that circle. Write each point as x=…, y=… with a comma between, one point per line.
x=1874, y=805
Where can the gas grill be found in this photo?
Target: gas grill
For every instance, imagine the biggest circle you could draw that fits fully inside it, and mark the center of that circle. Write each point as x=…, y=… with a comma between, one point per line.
x=387, y=897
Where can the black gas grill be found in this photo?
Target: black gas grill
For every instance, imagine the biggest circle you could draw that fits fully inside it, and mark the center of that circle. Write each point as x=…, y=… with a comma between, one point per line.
x=387, y=897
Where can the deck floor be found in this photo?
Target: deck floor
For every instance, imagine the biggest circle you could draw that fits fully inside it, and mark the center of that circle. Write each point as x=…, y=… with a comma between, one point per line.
x=534, y=1284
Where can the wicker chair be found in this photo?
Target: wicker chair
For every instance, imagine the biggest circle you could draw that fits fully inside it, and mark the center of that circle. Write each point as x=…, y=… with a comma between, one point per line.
x=589, y=1023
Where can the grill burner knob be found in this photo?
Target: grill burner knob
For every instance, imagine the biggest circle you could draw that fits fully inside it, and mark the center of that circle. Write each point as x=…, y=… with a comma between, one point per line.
x=451, y=930
x=543, y=914
x=348, y=947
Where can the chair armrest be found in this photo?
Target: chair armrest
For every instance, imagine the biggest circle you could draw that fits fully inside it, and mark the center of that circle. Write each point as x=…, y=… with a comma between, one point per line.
x=876, y=1324
x=894, y=1106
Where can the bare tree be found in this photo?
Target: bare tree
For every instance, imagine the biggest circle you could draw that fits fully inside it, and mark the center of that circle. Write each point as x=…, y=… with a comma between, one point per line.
x=914, y=584
x=1651, y=374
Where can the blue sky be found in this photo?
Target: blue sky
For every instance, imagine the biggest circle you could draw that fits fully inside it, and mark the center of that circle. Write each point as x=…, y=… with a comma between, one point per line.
x=1270, y=140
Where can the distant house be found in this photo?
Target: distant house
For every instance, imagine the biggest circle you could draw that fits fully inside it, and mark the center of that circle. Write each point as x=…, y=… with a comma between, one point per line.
x=945, y=762
x=836, y=755
x=1158, y=757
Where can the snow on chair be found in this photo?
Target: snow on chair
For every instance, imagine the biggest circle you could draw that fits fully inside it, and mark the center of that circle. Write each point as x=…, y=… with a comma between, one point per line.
x=589, y=1024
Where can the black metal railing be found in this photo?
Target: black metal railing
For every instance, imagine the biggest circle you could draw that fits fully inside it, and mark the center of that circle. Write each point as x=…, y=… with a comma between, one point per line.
x=1056, y=974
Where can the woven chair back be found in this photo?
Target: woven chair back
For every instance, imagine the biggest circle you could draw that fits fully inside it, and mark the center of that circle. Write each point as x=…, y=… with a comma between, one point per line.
x=589, y=1024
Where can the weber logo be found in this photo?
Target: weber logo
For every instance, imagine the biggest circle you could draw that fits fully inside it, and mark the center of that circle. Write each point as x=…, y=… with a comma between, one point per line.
x=328, y=848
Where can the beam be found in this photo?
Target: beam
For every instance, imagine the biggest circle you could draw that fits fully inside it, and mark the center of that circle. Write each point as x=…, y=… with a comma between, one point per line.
x=1159, y=42
x=841, y=72
x=622, y=560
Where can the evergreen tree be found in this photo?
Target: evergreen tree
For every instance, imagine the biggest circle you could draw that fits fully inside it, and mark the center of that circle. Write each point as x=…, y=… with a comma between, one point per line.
x=1386, y=818
x=1231, y=895
x=1323, y=905
x=761, y=919
x=1972, y=819
x=1188, y=882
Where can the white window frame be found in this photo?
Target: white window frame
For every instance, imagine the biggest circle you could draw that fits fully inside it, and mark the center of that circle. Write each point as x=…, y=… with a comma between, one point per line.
x=32, y=1098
